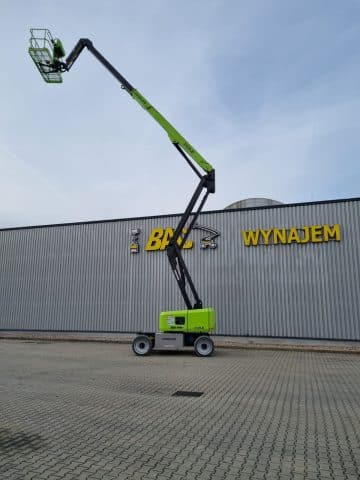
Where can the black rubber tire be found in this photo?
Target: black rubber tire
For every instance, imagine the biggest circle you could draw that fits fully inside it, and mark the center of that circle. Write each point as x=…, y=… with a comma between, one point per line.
x=142, y=345
x=204, y=346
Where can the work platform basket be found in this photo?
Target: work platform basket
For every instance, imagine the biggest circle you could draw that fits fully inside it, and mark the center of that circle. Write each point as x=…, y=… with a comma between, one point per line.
x=41, y=50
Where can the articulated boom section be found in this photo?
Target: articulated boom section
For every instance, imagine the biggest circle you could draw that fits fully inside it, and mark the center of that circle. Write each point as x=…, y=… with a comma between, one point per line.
x=182, y=275
x=47, y=54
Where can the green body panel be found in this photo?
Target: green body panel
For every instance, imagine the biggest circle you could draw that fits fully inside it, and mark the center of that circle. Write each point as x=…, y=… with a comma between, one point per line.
x=188, y=321
x=174, y=135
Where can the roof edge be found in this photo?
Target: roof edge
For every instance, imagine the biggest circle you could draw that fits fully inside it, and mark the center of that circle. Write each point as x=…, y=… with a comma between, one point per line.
x=127, y=219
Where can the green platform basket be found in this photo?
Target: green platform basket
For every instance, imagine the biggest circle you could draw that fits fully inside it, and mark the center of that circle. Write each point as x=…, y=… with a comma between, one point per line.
x=41, y=50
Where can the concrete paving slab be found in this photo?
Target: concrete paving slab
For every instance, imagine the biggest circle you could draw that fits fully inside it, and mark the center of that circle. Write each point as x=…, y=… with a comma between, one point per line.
x=75, y=410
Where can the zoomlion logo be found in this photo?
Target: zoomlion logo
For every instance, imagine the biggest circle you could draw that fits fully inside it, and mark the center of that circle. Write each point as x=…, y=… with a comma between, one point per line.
x=159, y=239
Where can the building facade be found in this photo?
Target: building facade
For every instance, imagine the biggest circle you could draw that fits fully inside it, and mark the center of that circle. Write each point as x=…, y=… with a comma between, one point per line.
x=277, y=271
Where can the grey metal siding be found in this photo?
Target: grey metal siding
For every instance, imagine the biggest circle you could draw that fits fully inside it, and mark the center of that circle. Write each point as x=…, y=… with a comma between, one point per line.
x=82, y=277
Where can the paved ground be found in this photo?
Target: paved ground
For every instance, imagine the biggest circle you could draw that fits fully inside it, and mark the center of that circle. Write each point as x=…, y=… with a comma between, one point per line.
x=91, y=411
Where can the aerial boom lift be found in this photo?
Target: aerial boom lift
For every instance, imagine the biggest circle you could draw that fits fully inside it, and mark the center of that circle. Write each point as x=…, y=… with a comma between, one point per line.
x=179, y=328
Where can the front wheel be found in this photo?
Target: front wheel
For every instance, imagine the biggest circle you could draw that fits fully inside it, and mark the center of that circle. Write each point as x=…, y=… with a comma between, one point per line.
x=142, y=345
x=204, y=347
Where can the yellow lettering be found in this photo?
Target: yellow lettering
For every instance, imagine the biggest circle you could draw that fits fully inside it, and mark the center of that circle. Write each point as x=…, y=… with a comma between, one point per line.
x=332, y=233
x=306, y=237
x=293, y=236
x=306, y=234
x=154, y=241
x=250, y=237
x=266, y=234
x=168, y=233
x=279, y=235
x=187, y=244
x=316, y=233
x=159, y=239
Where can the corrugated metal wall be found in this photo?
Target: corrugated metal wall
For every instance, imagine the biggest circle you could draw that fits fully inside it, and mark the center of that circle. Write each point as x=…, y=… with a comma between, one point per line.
x=82, y=277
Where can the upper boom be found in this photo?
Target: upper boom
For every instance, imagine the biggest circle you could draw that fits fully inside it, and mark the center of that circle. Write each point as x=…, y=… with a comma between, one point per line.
x=173, y=134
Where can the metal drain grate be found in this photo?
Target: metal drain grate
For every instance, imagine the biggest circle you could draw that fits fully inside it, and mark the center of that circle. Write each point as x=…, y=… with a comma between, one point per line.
x=186, y=393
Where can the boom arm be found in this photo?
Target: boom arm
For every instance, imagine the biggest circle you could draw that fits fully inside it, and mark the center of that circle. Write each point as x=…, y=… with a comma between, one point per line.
x=173, y=134
x=207, y=180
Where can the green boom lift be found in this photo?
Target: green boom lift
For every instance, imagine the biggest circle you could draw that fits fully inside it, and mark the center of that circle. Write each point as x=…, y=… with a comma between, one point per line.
x=179, y=328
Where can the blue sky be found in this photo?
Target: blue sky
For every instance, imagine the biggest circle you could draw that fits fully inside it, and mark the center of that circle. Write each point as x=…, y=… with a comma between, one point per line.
x=267, y=91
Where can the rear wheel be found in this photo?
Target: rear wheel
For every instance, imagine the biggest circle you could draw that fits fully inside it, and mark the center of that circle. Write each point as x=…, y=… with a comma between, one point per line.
x=204, y=347
x=142, y=345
